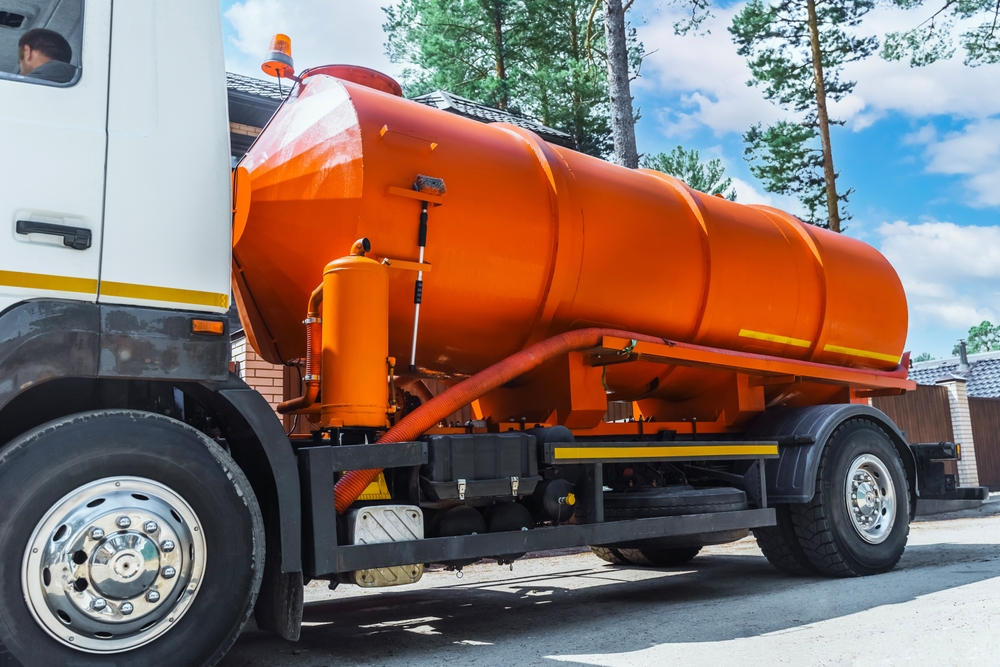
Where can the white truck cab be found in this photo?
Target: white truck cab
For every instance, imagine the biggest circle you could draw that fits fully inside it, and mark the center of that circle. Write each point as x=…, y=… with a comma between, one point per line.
x=130, y=534
x=116, y=186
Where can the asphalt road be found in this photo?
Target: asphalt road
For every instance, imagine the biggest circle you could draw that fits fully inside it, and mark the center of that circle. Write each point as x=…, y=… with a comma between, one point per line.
x=941, y=606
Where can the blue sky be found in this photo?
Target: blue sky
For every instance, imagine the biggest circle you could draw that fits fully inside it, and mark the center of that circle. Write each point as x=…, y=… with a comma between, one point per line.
x=920, y=146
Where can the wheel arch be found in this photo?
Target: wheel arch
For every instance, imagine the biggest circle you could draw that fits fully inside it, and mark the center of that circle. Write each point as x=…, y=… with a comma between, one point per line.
x=802, y=434
x=253, y=435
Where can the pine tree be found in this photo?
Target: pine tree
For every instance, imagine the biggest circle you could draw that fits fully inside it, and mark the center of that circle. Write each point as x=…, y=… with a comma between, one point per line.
x=622, y=115
x=932, y=40
x=796, y=50
x=709, y=177
x=565, y=90
x=534, y=57
x=474, y=48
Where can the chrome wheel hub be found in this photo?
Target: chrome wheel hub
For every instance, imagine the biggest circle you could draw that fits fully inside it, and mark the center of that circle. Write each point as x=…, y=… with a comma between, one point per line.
x=114, y=564
x=871, y=498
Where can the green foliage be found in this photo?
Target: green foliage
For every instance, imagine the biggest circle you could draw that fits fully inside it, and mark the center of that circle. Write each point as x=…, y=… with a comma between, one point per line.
x=983, y=337
x=933, y=39
x=533, y=57
x=686, y=165
x=923, y=356
x=785, y=157
x=775, y=40
x=473, y=48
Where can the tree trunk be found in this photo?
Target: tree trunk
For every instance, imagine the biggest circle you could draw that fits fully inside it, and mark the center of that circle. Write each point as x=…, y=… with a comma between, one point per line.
x=622, y=119
x=500, y=49
x=829, y=175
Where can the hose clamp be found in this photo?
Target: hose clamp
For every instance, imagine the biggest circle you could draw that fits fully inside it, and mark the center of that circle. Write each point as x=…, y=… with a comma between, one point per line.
x=311, y=378
x=310, y=320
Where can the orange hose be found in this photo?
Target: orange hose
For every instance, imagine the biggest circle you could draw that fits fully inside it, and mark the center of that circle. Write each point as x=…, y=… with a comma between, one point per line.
x=414, y=424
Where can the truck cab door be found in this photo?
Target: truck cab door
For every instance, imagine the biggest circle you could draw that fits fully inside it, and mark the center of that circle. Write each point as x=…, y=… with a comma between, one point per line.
x=53, y=140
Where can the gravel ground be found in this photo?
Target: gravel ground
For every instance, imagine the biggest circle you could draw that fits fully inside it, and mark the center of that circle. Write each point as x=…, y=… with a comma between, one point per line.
x=941, y=606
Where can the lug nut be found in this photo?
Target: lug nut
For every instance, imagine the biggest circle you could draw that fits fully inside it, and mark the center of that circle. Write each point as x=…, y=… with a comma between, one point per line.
x=126, y=608
x=123, y=522
x=152, y=596
x=169, y=572
x=167, y=546
x=97, y=534
x=150, y=527
x=99, y=604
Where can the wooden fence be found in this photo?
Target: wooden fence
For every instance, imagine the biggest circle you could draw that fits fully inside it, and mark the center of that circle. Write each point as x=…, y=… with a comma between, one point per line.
x=924, y=415
x=985, y=416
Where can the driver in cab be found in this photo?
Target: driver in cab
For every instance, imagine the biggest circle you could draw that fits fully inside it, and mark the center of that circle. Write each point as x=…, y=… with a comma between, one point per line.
x=45, y=54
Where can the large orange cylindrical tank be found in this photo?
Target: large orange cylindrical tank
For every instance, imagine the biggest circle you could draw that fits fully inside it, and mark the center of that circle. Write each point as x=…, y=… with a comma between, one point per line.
x=533, y=239
x=354, y=382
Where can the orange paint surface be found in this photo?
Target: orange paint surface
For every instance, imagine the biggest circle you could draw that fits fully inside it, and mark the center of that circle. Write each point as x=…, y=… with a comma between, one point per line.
x=531, y=240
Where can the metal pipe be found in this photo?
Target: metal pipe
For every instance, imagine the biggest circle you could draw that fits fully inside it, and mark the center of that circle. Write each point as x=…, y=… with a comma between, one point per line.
x=418, y=290
x=314, y=357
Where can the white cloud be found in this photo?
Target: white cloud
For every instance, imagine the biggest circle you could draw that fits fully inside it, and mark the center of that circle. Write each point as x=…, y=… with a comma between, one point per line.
x=951, y=273
x=711, y=77
x=974, y=153
x=323, y=32
x=706, y=71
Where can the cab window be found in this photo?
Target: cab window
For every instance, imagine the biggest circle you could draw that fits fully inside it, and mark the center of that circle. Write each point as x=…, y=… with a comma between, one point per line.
x=40, y=41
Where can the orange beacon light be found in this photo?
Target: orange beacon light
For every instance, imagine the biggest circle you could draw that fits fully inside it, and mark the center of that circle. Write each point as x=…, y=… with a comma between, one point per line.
x=279, y=61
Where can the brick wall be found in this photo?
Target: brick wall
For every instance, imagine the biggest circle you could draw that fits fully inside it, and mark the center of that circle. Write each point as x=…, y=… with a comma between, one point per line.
x=961, y=424
x=264, y=377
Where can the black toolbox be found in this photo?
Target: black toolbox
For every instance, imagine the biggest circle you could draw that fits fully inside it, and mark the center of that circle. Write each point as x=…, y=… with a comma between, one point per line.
x=473, y=466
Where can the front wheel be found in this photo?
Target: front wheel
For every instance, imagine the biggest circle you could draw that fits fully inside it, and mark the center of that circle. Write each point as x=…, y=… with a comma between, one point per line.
x=129, y=538
x=858, y=522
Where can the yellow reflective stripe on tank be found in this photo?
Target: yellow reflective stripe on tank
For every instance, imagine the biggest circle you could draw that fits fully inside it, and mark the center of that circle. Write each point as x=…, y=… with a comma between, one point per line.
x=631, y=453
x=50, y=283
x=169, y=294
x=46, y=282
x=774, y=338
x=861, y=353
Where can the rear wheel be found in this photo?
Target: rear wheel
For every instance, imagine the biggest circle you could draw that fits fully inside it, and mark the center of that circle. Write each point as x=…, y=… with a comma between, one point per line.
x=131, y=539
x=609, y=554
x=858, y=522
x=781, y=546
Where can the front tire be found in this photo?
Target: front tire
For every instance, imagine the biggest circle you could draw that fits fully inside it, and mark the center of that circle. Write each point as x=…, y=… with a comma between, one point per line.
x=128, y=538
x=858, y=522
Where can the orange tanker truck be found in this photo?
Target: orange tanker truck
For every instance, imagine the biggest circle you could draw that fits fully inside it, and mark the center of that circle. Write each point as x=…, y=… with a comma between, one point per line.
x=413, y=266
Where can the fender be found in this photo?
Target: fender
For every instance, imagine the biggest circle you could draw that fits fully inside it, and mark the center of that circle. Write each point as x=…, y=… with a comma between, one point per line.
x=802, y=433
x=260, y=446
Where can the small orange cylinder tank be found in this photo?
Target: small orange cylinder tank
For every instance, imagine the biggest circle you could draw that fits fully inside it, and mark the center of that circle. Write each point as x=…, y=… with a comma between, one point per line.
x=354, y=383
x=532, y=240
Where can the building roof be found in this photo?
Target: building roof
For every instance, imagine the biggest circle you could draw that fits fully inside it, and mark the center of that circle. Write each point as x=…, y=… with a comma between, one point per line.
x=253, y=101
x=983, y=376
x=461, y=106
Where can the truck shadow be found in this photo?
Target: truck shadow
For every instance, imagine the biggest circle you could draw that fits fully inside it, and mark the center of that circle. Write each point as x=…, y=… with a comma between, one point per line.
x=716, y=598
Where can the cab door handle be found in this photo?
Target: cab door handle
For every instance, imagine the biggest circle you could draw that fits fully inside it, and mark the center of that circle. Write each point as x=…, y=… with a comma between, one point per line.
x=77, y=238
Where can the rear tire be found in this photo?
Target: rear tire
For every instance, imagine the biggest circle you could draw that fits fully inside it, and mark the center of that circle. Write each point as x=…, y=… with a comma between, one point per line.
x=609, y=554
x=781, y=546
x=858, y=522
x=110, y=458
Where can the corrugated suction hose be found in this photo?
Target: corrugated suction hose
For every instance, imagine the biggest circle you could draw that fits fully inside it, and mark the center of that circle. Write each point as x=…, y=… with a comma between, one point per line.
x=414, y=424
